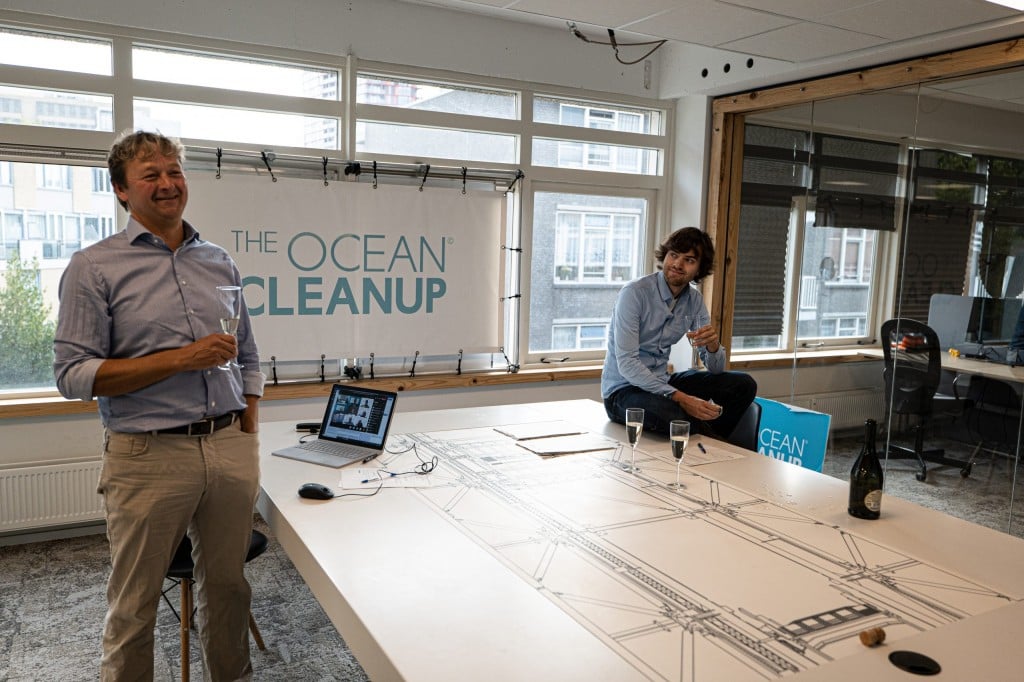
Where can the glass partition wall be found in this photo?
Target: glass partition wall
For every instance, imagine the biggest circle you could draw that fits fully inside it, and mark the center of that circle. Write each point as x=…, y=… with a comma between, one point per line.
x=874, y=262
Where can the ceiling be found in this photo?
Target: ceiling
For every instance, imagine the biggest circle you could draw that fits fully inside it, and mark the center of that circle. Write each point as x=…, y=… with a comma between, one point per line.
x=787, y=39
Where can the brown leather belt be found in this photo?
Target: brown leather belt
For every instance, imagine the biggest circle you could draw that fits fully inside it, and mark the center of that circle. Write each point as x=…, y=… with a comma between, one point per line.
x=203, y=427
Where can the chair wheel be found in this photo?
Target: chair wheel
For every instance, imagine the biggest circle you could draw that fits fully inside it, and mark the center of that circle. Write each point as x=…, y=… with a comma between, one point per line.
x=921, y=475
x=966, y=470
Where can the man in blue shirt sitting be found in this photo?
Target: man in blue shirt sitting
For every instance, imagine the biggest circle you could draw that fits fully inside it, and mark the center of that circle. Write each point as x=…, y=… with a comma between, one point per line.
x=650, y=316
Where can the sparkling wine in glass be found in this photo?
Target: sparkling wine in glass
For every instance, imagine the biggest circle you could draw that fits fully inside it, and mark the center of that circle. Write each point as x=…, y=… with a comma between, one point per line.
x=634, y=429
x=230, y=297
x=679, y=435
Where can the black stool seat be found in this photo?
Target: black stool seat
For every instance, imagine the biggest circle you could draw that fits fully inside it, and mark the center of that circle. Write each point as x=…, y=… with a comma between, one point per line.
x=181, y=565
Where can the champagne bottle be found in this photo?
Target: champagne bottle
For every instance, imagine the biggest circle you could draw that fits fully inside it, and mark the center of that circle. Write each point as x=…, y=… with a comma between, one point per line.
x=866, y=478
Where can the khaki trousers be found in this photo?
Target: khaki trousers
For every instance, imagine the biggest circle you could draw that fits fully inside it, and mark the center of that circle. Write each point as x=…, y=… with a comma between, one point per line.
x=155, y=487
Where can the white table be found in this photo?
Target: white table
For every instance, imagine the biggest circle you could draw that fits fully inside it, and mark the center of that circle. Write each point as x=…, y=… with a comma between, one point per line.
x=430, y=584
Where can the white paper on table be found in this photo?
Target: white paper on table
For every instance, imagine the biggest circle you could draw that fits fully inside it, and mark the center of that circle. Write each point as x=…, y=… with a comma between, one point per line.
x=564, y=445
x=539, y=430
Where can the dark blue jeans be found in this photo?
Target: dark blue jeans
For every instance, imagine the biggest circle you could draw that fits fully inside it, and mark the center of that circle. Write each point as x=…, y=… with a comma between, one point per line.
x=734, y=391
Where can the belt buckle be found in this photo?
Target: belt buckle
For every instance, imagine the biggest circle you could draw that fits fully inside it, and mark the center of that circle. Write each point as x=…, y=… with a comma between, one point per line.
x=207, y=429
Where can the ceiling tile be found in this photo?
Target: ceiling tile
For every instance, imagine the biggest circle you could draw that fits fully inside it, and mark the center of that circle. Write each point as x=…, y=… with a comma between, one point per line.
x=803, y=42
x=607, y=13
x=705, y=22
x=903, y=19
x=801, y=9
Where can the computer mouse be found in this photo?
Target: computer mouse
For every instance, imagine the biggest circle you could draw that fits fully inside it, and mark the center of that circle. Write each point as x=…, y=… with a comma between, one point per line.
x=315, y=491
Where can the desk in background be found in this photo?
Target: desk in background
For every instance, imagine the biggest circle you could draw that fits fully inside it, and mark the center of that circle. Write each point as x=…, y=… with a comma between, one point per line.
x=572, y=569
x=963, y=365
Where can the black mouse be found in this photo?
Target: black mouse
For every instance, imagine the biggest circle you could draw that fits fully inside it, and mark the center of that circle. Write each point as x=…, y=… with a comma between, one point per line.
x=315, y=491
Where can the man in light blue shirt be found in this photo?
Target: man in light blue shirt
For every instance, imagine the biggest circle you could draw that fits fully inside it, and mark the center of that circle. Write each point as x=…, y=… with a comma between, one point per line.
x=139, y=328
x=650, y=316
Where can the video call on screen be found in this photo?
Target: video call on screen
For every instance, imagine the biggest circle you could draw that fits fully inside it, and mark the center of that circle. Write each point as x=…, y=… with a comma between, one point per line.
x=356, y=413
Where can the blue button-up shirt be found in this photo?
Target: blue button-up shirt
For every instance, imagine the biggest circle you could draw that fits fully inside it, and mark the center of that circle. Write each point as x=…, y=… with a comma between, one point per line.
x=129, y=296
x=644, y=327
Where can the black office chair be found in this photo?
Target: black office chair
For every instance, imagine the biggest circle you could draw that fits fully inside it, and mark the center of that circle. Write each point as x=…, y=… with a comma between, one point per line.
x=745, y=433
x=180, y=573
x=992, y=417
x=912, y=373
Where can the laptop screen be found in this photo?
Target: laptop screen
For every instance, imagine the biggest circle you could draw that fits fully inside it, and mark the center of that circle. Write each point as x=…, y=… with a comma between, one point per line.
x=358, y=416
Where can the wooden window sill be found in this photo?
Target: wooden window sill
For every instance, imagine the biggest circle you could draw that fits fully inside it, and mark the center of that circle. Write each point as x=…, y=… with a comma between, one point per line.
x=55, y=405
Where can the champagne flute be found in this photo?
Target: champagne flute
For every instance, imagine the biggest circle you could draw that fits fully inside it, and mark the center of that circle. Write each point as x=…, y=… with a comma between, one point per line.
x=231, y=310
x=679, y=434
x=634, y=428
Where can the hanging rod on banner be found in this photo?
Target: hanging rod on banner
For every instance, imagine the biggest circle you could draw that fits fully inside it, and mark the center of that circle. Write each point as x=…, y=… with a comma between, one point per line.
x=219, y=157
x=346, y=168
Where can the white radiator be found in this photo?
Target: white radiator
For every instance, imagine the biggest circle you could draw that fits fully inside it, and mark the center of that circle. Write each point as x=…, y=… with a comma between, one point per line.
x=849, y=409
x=51, y=495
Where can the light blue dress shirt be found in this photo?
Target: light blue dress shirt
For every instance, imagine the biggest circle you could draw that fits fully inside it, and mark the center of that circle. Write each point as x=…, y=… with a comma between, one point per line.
x=129, y=296
x=645, y=325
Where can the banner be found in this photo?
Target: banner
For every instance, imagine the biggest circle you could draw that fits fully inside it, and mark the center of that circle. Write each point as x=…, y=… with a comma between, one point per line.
x=346, y=270
x=793, y=434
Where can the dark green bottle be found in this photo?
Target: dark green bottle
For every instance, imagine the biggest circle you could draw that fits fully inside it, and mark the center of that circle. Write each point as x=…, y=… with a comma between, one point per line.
x=866, y=478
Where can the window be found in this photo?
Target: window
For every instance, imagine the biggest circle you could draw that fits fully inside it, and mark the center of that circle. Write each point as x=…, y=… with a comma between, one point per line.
x=815, y=213
x=579, y=336
x=581, y=114
x=167, y=65
x=595, y=247
x=53, y=51
x=236, y=125
x=375, y=137
x=49, y=176
x=616, y=156
x=101, y=181
x=584, y=248
x=600, y=157
x=294, y=105
x=38, y=233
x=57, y=109
x=427, y=119
x=405, y=93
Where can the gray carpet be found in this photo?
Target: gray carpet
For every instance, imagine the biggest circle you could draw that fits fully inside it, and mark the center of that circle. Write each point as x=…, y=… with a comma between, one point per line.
x=52, y=593
x=52, y=608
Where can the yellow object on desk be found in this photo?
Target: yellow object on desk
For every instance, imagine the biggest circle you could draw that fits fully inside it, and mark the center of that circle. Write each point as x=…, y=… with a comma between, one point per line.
x=954, y=353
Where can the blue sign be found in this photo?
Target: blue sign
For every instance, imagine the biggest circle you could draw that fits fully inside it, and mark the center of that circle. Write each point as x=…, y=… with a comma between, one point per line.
x=793, y=434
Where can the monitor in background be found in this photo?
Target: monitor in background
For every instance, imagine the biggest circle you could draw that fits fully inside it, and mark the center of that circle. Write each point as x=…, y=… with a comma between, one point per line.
x=948, y=315
x=992, y=320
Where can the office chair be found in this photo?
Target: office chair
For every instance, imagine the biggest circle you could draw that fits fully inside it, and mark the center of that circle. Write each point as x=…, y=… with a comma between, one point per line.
x=992, y=416
x=180, y=573
x=911, y=374
x=745, y=433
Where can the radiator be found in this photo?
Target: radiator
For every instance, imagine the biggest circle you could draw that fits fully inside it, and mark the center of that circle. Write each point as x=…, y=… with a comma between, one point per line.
x=51, y=495
x=849, y=409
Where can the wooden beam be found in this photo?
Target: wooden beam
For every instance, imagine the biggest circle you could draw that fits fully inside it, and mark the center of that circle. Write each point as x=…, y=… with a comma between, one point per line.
x=1001, y=55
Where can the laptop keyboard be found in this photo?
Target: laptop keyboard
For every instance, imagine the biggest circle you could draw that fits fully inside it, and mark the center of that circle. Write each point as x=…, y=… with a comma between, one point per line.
x=329, y=448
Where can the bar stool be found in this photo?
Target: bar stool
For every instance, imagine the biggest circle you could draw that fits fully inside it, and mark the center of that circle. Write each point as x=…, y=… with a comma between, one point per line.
x=180, y=573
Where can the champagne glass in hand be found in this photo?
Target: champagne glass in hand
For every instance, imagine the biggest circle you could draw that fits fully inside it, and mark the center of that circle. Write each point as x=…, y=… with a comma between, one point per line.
x=634, y=428
x=230, y=297
x=679, y=435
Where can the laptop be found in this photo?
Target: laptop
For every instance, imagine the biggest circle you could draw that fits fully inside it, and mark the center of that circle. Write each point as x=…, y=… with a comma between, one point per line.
x=354, y=428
